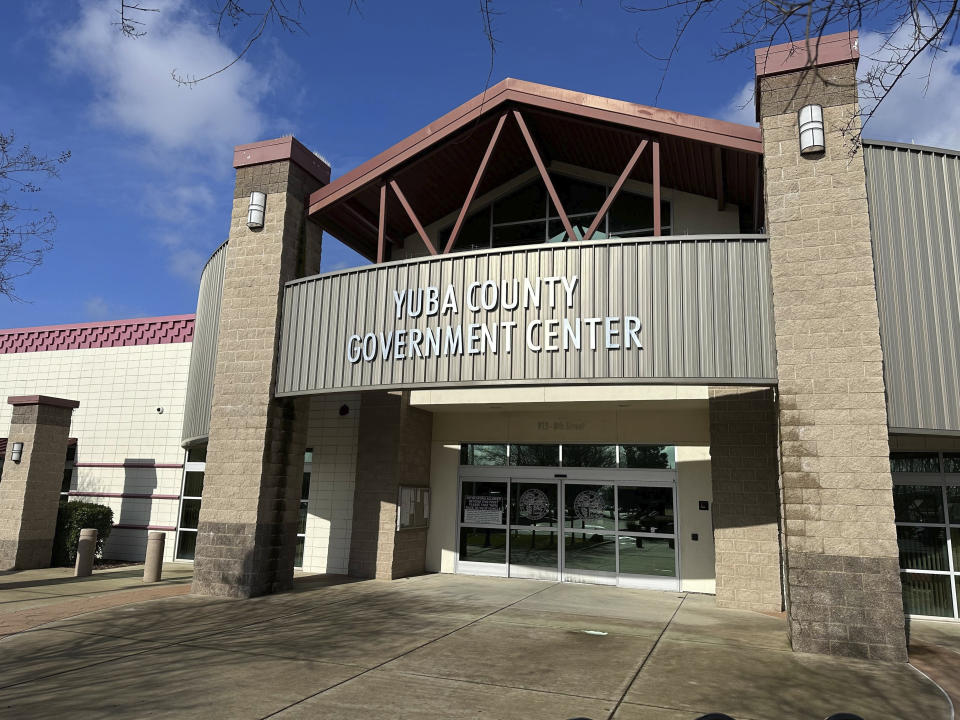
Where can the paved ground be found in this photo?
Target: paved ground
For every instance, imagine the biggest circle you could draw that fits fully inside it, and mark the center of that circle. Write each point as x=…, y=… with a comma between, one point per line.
x=34, y=598
x=441, y=647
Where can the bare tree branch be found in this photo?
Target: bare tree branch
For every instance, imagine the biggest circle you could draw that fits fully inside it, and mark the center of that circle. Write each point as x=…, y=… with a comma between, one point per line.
x=25, y=232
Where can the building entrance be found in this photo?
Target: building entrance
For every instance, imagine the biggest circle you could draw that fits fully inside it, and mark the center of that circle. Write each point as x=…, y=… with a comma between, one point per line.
x=613, y=527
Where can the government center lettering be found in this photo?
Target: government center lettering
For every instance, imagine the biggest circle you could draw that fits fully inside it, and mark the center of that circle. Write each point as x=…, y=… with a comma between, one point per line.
x=445, y=337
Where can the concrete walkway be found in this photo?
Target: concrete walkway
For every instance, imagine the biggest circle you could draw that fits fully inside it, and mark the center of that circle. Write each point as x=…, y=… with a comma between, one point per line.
x=441, y=647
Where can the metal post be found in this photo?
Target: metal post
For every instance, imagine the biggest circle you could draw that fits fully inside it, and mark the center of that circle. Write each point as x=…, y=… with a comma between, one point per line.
x=153, y=565
x=86, y=548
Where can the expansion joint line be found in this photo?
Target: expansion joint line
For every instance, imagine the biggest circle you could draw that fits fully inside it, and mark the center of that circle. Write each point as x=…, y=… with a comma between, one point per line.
x=644, y=662
x=407, y=652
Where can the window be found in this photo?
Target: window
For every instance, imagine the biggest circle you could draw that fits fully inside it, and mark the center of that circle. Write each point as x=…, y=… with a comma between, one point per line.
x=304, y=503
x=653, y=457
x=926, y=503
x=527, y=216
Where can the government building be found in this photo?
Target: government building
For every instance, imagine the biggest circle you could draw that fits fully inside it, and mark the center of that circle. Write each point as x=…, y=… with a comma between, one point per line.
x=596, y=342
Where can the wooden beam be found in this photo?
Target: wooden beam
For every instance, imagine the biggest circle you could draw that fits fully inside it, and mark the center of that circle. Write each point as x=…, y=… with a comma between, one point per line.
x=718, y=177
x=476, y=183
x=538, y=161
x=413, y=217
x=616, y=190
x=656, y=189
x=381, y=226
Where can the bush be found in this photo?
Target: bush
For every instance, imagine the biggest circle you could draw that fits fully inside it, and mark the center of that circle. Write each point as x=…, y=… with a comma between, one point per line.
x=75, y=516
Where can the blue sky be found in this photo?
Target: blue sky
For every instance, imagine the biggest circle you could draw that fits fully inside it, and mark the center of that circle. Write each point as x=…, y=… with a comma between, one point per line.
x=146, y=196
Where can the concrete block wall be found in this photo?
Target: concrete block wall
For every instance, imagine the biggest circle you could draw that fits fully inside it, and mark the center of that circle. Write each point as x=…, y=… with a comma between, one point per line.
x=842, y=561
x=746, y=498
x=334, y=439
x=396, y=445
x=119, y=390
x=248, y=520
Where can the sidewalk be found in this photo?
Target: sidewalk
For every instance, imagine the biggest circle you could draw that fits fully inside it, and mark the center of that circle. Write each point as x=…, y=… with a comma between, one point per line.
x=30, y=598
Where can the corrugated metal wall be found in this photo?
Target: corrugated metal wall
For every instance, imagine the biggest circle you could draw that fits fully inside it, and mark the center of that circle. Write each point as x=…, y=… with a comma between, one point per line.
x=914, y=200
x=203, y=354
x=705, y=304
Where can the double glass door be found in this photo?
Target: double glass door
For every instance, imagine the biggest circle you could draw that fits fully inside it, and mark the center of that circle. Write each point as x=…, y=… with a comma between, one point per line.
x=616, y=530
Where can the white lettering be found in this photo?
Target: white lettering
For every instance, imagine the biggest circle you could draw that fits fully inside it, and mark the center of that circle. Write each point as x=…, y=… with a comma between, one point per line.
x=398, y=344
x=531, y=293
x=515, y=300
x=551, y=335
x=551, y=283
x=453, y=341
x=413, y=343
x=610, y=333
x=385, y=342
x=449, y=302
x=569, y=286
x=432, y=305
x=592, y=324
x=530, y=343
x=473, y=339
x=489, y=299
x=471, y=301
x=509, y=326
x=571, y=334
x=399, y=298
x=489, y=339
x=352, y=356
x=633, y=331
x=369, y=347
x=431, y=342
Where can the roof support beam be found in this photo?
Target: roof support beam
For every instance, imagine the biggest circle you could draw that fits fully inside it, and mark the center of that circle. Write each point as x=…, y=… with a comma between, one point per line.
x=718, y=177
x=616, y=190
x=476, y=183
x=413, y=217
x=381, y=226
x=656, y=189
x=538, y=161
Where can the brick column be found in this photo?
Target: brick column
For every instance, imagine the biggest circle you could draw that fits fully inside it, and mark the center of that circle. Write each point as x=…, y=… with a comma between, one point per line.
x=746, y=498
x=393, y=450
x=30, y=491
x=251, y=496
x=843, y=582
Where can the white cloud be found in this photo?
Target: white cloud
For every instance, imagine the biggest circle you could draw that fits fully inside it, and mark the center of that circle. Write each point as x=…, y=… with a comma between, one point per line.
x=96, y=308
x=917, y=111
x=741, y=109
x=133, y=88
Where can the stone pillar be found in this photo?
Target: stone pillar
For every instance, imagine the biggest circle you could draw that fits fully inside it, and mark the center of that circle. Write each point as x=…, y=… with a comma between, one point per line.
x=746, y=498
x=30, y=491
x=251, y=496
x=843, y=582
x=393, y=450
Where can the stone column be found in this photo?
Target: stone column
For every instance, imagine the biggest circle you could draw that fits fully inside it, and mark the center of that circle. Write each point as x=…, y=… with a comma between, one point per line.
x=251, y=496
x=30, y=491
x=393, y=450
x=843, y=582
x=746, y=498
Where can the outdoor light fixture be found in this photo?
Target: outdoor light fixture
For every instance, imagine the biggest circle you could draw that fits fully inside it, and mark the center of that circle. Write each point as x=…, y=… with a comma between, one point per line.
x=16, y=451
x=811, y=129
x=258, y=202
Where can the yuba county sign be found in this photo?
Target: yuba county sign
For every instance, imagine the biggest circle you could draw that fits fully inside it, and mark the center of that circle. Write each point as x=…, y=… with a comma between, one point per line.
x=452, y=339
x=680, y=309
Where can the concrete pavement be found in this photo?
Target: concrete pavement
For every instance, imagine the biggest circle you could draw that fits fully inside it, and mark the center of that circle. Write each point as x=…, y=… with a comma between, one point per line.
x=441, y=647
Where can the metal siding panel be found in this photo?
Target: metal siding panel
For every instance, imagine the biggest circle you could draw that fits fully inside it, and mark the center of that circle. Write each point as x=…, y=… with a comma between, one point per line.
x=914, y=199
x=704, y=303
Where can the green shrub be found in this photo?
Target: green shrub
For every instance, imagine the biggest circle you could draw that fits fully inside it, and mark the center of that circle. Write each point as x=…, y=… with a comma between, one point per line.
x=75, y=516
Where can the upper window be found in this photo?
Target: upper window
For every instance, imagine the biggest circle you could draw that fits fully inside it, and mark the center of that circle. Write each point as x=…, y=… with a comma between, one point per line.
x=526, y=216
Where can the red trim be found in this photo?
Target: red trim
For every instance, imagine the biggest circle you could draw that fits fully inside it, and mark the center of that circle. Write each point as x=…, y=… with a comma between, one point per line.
x=139, y=496
x=826, y=50
x=128, y=465
x=114, y=333
x=43, y=400
x=168, y=528
x=286, y=148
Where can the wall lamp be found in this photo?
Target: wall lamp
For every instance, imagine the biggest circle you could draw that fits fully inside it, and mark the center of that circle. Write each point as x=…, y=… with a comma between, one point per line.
x=811, y=129
x=16, y=451
x=258, y=202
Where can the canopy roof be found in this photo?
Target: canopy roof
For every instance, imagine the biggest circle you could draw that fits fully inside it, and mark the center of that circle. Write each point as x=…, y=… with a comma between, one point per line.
x=435, y=166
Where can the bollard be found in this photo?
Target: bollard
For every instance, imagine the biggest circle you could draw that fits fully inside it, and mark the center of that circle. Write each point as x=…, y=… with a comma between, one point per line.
x=86, y=548
x=153, y=566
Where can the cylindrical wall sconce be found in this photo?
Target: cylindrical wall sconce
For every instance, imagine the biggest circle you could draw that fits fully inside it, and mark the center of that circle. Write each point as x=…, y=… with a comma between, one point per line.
x=258, y=202
x=811, y=129
x=16, y=451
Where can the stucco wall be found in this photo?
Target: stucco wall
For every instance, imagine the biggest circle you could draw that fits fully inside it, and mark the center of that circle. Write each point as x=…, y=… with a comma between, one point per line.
x=119, y=390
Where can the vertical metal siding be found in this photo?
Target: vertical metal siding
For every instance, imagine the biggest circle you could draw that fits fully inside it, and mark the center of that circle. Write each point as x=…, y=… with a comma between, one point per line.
x=203, y=353
x=704, y=301
x=913, y=195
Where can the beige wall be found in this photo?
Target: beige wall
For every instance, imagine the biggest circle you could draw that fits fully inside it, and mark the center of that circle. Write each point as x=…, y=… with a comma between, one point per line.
x=119, y=390
x=684, y=423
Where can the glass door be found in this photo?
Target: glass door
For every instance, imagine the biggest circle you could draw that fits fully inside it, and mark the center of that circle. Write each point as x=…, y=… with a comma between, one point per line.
x=534, y=529
x=646, y=536
x=483, y=526
x=589, y=532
